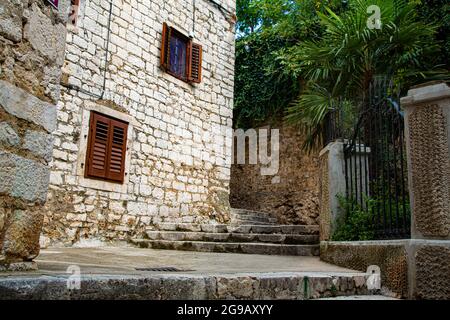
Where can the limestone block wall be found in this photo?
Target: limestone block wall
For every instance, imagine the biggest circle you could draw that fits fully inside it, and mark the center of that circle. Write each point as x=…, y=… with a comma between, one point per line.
x=292, y=195
x=179, y=140
x=32, y=39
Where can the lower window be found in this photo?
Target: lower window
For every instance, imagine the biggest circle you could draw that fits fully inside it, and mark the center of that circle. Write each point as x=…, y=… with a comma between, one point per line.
x=106, y=150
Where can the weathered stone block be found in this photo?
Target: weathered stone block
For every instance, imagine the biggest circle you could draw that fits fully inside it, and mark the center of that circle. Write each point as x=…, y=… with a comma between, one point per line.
x=23, y=178
x=45, y=37
x=188, y=227
x=19, y=266
x=432, y=264
x=390, y=256
x=7, y=134
x=39, y=143
x=11, y=19
x=278, y=287
x=236, y=287
x=214, y=228
x=21, y=239
x=25, y=106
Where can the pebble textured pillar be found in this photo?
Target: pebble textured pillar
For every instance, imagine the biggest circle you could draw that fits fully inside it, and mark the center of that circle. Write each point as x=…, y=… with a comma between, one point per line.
x=427, y=124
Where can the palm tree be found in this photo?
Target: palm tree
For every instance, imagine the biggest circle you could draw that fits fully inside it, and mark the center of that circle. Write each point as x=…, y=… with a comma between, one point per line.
x=341, y=65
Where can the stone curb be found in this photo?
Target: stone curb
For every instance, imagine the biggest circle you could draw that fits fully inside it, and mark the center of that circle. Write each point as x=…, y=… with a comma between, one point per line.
x=293, y=286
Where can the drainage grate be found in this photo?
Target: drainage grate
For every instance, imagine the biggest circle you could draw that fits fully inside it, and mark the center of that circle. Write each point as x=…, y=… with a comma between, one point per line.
x=167, y=269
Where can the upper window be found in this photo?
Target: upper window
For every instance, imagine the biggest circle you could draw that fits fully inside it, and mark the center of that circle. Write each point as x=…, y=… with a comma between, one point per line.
x=180, y=57
x=105, y=156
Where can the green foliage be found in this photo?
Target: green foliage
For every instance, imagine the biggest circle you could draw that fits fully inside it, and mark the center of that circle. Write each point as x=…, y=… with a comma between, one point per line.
x=438, y=13
x=266, y=29
x=254, y=15
x=342, y=63
x=355, y=222
x=262, y=89
x=302, y=56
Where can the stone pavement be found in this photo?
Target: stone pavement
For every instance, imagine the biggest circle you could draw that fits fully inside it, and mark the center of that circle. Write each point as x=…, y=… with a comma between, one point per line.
x=124, y=260
x=111, y=273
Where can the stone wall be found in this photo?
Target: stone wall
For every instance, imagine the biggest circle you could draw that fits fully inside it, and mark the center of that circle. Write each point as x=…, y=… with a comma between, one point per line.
x=32, y=39
x=179, y=146
x=292, y=194
x=390, y=255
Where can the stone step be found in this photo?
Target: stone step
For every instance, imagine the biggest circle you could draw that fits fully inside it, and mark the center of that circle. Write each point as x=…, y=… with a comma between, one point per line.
x=276, y=229
x=247, y=228
x=253, y=218
x=250, y=212
x=232, y=237
x=231, y=247
x=237, y=222
x=190, y=227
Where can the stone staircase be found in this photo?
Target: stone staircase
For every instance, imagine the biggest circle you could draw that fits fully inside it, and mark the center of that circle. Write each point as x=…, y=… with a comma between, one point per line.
x=248, y=232
x=248, y=217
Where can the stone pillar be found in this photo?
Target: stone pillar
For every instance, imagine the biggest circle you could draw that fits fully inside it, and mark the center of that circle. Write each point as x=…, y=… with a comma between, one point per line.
x=32, y=42
x=333, y=184
x=427, y=132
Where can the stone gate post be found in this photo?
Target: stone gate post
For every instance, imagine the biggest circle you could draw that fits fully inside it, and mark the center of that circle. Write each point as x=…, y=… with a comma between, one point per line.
x=427, y=132
x=333, y=182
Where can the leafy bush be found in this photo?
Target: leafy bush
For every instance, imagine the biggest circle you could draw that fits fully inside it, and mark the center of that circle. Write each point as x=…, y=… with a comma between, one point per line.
x=355, y=222
x=358, y=223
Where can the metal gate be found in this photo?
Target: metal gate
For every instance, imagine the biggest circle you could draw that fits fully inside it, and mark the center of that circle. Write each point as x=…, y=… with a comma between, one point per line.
x=375, y=164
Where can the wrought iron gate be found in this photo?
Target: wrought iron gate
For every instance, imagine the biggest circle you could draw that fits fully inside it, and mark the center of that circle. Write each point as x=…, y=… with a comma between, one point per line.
x=375, y=164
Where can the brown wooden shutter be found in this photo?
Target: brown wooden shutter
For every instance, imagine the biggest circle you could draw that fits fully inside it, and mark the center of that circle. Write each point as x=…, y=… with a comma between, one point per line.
x=195, y=65
x=118, y=142
x=97, y=155
x=105, y=157
x=165, y=45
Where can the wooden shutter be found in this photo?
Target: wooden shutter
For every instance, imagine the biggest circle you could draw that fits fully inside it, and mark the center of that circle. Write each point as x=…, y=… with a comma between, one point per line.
x=74, y=9
x=97, y=155
x=195, y=65
x=105, y=157
x=165, y=45
x=116, y=161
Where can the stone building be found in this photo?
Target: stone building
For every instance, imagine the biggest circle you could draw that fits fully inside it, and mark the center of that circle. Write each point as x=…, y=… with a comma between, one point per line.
x=143, y=131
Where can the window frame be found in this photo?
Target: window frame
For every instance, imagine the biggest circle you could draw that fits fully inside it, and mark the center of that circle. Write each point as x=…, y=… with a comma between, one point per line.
x=186, y=41
x=165, y=55
x=108, y=175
